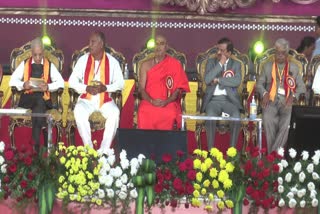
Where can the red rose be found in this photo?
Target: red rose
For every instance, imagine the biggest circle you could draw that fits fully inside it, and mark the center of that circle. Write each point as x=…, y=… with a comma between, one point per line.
x=186, y=205
x=27, y=161
x=180, y=153
x=9, y=154
x=177, y=184
x=275, y=167
x=249, y=190
x=158, y=188
x=245, y=201
x=189, y=163
x=182, y=167
x=160, y=178
x=248, y=166
x=255, y=195
x=174, y=203
x=265, y=185
x=167, y=174
x=191, y=175
x=260, y=164
x=262, y=194
x=30, y=176
x=270, y=158
x=6, y=179
x=166, y=158
x=266, y=172
x=6, y=188
x=23, y=183
x=253, y=174
x=189, y=188
x=13, y=168
x=29, y=193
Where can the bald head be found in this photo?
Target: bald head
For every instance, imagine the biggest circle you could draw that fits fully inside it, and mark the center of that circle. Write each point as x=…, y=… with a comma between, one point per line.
x=161, y=46
x=37, y=50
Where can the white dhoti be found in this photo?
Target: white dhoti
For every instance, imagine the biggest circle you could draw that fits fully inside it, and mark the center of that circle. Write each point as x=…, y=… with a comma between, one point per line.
x=109, y=110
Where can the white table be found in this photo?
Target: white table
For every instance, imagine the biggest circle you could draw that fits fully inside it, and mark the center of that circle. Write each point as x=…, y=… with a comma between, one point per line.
x=203, y=117
x=23, y=112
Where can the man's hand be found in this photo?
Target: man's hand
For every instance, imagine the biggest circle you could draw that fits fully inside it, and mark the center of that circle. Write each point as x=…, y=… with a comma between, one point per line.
x=223, y=59
x=92, y=89
x=101, y=87
x=290, y=100
x=159, y=102
x=215, y=81
x=27, y=85
x=265, y=100
x=44, y=87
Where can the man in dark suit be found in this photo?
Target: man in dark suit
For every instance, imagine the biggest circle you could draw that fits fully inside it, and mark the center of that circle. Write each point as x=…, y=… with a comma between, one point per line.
x=222, y=78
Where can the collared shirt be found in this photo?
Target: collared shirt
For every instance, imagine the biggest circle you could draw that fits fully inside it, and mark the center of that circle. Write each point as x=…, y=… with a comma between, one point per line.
x=76, y=79
x=217, y=90
x=317, y=49
x=56, y=78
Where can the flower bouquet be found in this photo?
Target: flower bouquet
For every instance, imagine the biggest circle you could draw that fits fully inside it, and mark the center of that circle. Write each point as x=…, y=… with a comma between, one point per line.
x=299, y=180
x=174, y=177
x=261, y=173
x=215, y=178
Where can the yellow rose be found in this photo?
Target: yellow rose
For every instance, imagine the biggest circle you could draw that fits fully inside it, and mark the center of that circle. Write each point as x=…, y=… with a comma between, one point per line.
x=229, y=204
x=211, y=196
x=215, y=184
x=196, y=193
x=79, y=197
x=227, y=184
x=208, y=208
x=195, y=202
x=232, y=152
x=73, y=197
x=229, y=167
x=223, y=163
x=61, y=179
x=199, y=176
x=220, y=194
x=57, y=153
x=223, y=175
x=74, y=152
x=203, y=191
x=99, y=202
x=197, y=152
x=204, y=167
x=70, y=189
x=208, y=162
x=196, y=186
x=213, y=172
x=204, y=154
x=214, y=152
x=196, y=164
x=221, y=205
x=62, y=160
x=206, y=183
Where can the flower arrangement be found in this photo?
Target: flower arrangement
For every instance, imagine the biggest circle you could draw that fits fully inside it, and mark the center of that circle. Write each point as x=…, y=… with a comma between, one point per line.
x=299, y=179
x=215, y=177
x=27, y=177
x=174, y=177
x=261, y=173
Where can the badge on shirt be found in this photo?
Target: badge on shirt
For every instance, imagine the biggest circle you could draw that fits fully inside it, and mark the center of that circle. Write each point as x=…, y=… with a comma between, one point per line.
x=228, y=73
x=291, y=82
x=169, y=83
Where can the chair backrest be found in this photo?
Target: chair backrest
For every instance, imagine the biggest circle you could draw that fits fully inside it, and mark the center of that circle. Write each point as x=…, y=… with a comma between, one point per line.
x=119, y=56
x=299, y=59
x=147, y=54
x=19, y=55
x=202, y=59
x=314, y=65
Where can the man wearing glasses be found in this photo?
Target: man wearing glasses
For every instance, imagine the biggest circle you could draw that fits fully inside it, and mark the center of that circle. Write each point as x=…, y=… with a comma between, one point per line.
x=279, y=84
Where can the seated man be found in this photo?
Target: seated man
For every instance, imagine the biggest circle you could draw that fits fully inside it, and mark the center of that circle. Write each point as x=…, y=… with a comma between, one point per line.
x=36, y=98
x=94, y=77
x=161, y=81
x=317, y=48
x=279, y=84
x=222, y=78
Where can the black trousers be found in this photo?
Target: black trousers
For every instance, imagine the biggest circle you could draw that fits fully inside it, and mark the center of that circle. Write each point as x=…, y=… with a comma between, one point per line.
x=37, y=104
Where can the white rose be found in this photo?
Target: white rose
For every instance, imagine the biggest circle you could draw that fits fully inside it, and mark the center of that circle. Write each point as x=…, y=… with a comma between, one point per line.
x=140, y=158
x=111, y=159
x=4, y=168
x=316, y=162
x=130, y=185
x=134, y=193
x=297, y=167
x=101, y=193
x=300, y=193
x=103, y=179
x=281, y=151
x=1, y=160
x=292, y=153
x=313, y=194
x=311, y=186
x=122, y=195
x=281, y=203
x=288, y=177
x=123, y=155
x=316, y=157
x=290, y=195
x=294, y=190
x=310, y=168
x=292, y=203
x=314, y=202
x=280, y=189
x=280, y=180
x=302, y=203
x=133, y=171
x=284, y=163
x=109, y=180
x=302, y=177
x=124, y=164
x=305, y=155
x=110, y=193
x=2, y=145
x=124, y=178
x=118, y=183
x=124, y=188
x=109, y=152
x=315, y=176
x=280, y=167
x=116, y=172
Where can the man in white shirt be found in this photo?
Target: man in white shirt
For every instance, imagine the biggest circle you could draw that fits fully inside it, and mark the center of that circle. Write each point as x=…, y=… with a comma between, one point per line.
x=316, y=82
x=94, y=77
x=36, y=98
x=317, y=49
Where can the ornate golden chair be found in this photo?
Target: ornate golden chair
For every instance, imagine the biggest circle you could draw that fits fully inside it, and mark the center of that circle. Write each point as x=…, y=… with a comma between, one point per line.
x=313, y=66
x=299, y=59
x=137, y=60
x=97, y=121
x=201, y=62
x=56, y=57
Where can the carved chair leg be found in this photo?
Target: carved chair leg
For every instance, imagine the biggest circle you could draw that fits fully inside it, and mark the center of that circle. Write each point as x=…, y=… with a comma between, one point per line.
x=11, y=133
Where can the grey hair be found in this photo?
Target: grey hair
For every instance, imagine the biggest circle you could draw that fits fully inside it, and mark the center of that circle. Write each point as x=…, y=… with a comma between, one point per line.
x=37, y=42
x=282, y=43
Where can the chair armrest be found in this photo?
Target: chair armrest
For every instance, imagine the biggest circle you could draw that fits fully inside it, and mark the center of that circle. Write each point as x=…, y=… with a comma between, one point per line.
x=200, y=95
x=117, y=97
x=15, y=97
x=316, y=100
x=258, y=99
x=183, y=102
x=302, y=100
x=245, y=95
x=73, y=99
